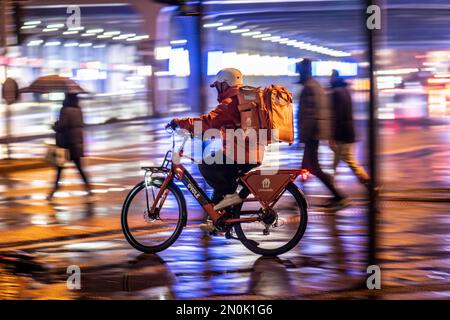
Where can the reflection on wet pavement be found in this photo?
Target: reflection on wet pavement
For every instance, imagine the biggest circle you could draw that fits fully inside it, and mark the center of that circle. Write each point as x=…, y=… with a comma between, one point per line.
x=40, y=239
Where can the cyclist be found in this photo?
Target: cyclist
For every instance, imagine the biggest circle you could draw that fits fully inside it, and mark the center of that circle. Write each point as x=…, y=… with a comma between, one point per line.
x=222, y=175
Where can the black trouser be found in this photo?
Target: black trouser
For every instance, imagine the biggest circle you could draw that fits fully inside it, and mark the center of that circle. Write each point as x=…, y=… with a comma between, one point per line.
x=223, y=177
x=80, y=170
x=311, y=162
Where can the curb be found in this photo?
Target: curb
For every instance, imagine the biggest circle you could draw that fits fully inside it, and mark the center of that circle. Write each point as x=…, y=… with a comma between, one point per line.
x=4, y=169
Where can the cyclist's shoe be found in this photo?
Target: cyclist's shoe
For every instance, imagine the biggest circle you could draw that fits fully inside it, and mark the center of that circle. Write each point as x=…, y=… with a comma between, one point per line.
x=228, y=200
x=207, y=227
x=337, y=203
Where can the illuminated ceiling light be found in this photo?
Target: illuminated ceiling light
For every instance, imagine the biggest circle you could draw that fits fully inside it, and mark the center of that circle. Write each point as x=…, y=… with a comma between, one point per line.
x=55, y=25
x=71, y=44
x=52, y=43
x=76, y=29
x=264, y=35
x=183, y=41
x=345, y=54
x=50, y=30
x=226, y=28
x=35, y=43
x=70, y=32
x=298, y=44
x=88, y=44
x=124, y=36
x=280, y=40
x=98, y=46
x=28, y=27
x=292, y=43
x=239, y=30
x=252, y=33
x=303, y=45
x=112, y=33
x=213, y=25
x=137, y=38
x=30, y=23
x=104, y=36
x=270, y=38
x=284, y=40
x=94, y=30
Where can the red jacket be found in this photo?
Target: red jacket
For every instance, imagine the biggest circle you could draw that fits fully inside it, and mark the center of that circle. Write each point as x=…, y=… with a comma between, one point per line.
x=227, y=116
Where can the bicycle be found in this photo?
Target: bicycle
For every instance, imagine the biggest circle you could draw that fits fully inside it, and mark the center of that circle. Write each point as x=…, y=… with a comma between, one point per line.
x=154, y=212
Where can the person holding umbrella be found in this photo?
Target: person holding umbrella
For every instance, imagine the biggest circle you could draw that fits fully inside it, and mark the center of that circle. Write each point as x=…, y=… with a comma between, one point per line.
x=69, y=127
x=69, y=135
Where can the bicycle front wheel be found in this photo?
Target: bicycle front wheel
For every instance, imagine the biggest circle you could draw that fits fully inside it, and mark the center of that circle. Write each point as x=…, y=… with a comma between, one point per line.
x=142, y=231
x=285, y=229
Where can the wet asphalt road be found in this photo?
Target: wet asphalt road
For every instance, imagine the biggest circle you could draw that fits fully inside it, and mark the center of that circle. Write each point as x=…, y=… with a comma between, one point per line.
x=39, y=240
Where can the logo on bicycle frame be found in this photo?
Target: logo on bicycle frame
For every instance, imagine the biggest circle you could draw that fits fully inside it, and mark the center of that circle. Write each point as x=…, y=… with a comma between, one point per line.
x=194, y=192
x=248, y=122
x=266, y=183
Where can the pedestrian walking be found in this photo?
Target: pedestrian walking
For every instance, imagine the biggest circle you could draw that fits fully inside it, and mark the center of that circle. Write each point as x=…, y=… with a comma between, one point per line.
x=69, y=135
x=343, y=140
x=314, y=126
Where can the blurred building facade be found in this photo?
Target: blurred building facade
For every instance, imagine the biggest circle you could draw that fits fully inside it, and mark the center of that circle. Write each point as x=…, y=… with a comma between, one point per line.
x=139, y=58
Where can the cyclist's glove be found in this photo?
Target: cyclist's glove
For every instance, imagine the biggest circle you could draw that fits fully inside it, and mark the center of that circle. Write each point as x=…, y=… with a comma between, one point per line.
x=171, y=125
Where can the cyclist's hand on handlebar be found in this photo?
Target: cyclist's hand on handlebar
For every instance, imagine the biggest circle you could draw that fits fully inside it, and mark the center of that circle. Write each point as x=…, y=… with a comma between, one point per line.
x=172, y=125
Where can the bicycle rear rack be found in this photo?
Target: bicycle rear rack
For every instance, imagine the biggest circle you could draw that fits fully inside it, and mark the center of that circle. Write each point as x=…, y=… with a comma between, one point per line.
x=164, y=168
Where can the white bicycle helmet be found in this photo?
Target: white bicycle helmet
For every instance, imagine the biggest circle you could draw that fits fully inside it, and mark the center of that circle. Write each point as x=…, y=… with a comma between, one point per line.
x=233, y=77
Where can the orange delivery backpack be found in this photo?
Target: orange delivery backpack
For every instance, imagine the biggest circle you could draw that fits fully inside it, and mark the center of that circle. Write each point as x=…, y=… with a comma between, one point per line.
x=269, y=109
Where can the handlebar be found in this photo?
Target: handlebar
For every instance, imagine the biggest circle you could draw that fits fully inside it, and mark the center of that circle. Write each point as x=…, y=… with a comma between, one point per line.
x=178, y=131
x=186, y=136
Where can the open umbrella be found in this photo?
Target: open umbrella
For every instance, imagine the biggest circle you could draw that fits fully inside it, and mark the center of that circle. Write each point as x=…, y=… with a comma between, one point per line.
x=53, y=83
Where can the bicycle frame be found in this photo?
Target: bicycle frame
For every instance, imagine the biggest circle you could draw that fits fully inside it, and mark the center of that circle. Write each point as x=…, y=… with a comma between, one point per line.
x=268, y=197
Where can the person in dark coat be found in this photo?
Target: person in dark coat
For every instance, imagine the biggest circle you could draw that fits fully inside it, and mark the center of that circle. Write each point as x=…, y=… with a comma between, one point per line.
x=344, y=131
x=69, y=135
x=315, y=125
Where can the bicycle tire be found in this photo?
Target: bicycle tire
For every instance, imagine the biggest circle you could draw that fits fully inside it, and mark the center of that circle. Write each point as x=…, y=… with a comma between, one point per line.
x=182, y=213
x=301, y=202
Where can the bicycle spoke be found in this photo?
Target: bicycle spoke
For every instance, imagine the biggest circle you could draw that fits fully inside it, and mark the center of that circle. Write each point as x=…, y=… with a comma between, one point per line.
x=150, y=231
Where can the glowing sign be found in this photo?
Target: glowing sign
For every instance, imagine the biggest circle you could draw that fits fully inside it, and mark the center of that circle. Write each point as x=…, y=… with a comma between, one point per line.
x=179, y=63
x=324, y=68
x=251, y=64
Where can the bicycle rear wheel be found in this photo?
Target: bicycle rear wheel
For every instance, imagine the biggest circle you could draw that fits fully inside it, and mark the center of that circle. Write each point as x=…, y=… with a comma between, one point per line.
x=285, y=231
x=150, y=235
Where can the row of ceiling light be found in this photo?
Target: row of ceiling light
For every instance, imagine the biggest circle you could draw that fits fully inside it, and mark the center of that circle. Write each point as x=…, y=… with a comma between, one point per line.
x=245, y=32
x=54, y=43
x=99, y=33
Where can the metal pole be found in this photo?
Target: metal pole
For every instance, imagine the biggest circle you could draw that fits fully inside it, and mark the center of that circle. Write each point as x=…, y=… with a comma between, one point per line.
x=372, y=148
x=4, y=45
x=201, y=60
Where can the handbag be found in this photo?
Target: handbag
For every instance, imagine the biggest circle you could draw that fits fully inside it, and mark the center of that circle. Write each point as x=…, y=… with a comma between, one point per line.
x=56, y=156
